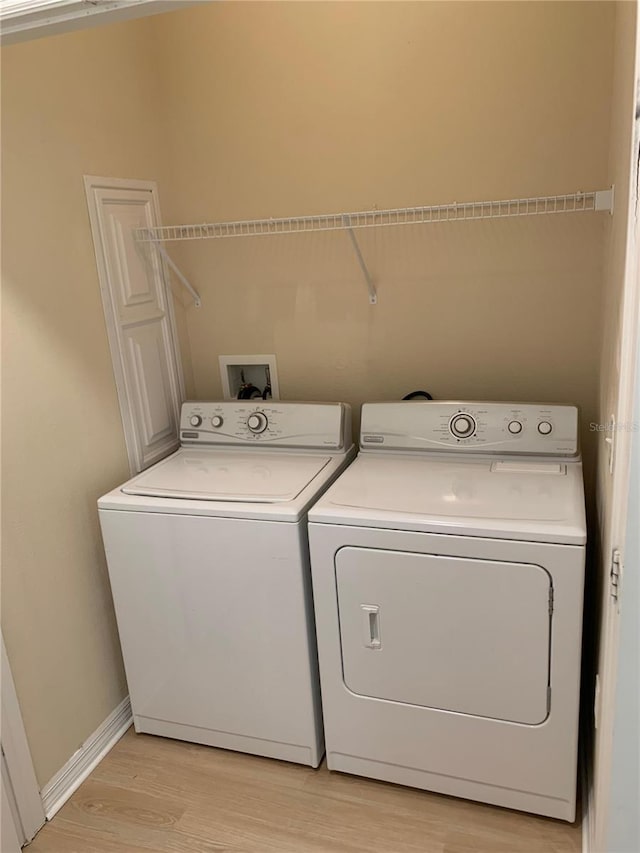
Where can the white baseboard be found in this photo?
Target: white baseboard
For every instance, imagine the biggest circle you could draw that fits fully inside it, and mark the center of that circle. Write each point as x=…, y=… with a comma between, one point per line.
x=58, y=790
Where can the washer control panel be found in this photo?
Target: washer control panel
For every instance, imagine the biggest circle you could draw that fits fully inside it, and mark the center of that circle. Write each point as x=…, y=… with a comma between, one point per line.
x=310, y=425
x=522, y=428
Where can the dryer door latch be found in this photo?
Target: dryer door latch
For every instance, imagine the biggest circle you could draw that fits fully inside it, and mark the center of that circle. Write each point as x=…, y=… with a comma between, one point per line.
x=371, y=625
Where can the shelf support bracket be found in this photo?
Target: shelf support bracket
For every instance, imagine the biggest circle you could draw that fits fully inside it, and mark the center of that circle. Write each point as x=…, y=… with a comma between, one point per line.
x=604, y=199
x=373, y=296
x=165, y=255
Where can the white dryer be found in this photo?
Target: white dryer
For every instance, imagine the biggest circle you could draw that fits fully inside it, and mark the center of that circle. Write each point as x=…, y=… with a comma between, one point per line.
x=448, y=571
x=209, y=566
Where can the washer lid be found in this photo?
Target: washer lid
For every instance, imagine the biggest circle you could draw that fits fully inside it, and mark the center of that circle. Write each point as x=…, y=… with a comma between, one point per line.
x=534, y=500
x=213, y=475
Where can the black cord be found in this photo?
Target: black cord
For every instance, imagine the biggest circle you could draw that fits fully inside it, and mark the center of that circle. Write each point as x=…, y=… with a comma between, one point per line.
x=414, y=394
x=249, y=392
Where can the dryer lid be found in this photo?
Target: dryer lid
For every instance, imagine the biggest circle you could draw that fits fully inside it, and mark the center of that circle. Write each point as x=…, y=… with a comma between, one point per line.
x=213, y=475
x=537, y=500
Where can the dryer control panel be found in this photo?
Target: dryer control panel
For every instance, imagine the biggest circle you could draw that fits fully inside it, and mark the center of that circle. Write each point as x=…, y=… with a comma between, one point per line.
x=496, y=428
x=262, y=422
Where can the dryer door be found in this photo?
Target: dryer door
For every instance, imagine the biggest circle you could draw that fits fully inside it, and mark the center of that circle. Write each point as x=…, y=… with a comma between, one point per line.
x=461, y=635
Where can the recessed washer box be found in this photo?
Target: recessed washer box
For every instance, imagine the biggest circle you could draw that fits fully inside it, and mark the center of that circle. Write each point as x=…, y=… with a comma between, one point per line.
x=259, y=370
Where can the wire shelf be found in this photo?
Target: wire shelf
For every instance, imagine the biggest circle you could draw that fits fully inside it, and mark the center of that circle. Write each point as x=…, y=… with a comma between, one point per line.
x=579, y=202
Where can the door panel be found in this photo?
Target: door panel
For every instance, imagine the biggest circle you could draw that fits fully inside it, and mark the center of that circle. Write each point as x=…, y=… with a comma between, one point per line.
x=9, y=829
x=139, y=318
x=462, y=635
x=22, y=810
x=146, y=363
x=137, y=288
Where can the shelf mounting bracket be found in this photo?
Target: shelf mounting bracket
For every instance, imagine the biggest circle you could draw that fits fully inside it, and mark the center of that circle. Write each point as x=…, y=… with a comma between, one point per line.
x=604, y=199
x=373, y=296
x=183, y=280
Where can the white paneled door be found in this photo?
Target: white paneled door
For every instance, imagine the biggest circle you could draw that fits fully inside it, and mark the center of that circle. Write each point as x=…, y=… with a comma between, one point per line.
x=21, y=809
x=139, y=315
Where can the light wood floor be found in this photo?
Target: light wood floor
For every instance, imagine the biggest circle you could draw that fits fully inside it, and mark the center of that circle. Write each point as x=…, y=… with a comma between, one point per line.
x=152, y=794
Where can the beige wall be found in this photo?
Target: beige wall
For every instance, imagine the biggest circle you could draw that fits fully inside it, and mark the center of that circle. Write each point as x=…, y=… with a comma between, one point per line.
x=297, y=108
x=81, y=103
x=242, y=110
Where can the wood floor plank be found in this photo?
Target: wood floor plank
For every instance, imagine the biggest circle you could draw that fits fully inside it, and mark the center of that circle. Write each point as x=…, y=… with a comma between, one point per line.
x=152, y=794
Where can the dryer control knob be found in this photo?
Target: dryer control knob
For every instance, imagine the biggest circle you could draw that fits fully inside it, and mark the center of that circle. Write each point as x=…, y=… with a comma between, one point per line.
x=257, y=422
x=195, y=420
x=544, y=427
x=217, y=421
x=515, y=427
x=462, y=426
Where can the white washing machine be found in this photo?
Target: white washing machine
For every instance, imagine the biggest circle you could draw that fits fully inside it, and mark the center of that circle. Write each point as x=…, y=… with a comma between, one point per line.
x=448, y=571
x=209, y=566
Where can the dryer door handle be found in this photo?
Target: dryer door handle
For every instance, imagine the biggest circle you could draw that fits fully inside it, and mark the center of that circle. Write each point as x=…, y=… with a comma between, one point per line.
x=371, y=625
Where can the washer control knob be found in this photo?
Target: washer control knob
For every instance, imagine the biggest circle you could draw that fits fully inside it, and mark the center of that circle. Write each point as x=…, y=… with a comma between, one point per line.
x=462, y=426
x=515, y=427
x=195, y=420
x=544, y=427
x=217, y=421
x=257, y=422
